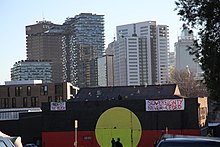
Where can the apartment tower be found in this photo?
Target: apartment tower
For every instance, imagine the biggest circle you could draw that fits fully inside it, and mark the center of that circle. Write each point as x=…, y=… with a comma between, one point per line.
x=141, y=54
x=44, y=42
x=83, y=44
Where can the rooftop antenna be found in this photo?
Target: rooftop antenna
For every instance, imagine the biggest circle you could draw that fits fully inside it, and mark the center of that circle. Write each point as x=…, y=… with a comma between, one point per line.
x=43, y=15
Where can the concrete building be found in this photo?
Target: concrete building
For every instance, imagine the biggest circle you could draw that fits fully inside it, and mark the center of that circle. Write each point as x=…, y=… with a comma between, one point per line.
x=32, y=70
x=44, y=42
x=102, y=69
x=83, y=42
x=162, y=53
x=106, y=67
x=110, y=64
x=184, y=61
x=141, y=54
x=171, y=61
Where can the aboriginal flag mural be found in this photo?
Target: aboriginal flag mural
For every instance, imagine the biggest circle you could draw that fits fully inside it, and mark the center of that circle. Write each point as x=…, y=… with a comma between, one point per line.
x=118, y=122
x=132, y=114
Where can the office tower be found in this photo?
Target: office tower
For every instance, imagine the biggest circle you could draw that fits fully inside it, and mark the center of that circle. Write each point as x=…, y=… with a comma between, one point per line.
x=44, y=42
x=141, y=54
x=110, y=64
x=106, y=67
x=102, y=69
x=171, y=61
x=83, y=43
x=184, y=61
x=32, y=70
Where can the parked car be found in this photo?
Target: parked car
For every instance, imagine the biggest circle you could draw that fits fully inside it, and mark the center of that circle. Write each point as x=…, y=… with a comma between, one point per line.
x=188, y=141
x=6, y=142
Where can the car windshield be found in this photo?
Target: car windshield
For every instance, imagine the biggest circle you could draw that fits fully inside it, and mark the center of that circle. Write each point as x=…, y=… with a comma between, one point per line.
x=190, y=144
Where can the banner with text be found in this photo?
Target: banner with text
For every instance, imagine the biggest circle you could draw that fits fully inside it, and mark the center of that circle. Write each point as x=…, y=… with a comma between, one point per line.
x=58, y=106
x=165, y=105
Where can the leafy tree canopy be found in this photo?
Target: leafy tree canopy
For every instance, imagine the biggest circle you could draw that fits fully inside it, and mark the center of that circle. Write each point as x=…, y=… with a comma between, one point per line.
x=204, y=15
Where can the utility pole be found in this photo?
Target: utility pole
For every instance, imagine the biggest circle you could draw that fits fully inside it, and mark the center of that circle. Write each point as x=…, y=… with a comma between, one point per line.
x=76, y=126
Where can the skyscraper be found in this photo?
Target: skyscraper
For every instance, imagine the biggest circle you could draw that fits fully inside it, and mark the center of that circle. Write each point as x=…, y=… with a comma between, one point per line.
x=44, y=42
x=141, y=54
x=184, y=61
x=110, y=64
x=83, y=43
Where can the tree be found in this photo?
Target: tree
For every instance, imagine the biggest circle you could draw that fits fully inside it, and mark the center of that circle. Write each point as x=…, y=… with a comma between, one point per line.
x=204, y=15
x=187, y=83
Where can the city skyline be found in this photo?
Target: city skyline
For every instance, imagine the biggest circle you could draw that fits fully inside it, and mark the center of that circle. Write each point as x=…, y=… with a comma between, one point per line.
x=17, y=15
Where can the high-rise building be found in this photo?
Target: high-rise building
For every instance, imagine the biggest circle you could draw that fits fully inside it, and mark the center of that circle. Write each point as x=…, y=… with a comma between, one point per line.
x=141, y=54
x=106, y=67
x=171, y=61
x=110, y=64
x=162, y=53
x=44, y=42
x=102, y=69
x=83, y=43
x=184, y=61
x=32, y=70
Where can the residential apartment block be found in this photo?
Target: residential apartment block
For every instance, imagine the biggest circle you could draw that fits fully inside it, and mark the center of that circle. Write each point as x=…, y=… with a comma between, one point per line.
x=44, y=42
x=30, y=94
x=83, y=43
x=141, y=54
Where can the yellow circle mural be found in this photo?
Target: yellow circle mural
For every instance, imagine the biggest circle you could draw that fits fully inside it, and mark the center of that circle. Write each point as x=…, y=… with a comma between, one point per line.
x=118, y=122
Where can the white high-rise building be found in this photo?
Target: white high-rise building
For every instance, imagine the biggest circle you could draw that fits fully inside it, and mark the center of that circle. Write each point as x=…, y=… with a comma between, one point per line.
x=141, y=54
x=162, y=52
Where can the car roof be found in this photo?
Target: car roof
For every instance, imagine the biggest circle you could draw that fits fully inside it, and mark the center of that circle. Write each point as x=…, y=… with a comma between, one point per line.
x=7, y=141
x=193, y=139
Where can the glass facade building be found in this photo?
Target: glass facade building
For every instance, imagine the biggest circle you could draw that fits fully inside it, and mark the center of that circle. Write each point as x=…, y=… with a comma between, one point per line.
x=83, y=44
x=32, y=70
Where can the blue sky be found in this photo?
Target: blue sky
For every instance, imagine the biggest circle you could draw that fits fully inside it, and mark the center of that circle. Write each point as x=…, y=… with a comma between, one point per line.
x=16, y=14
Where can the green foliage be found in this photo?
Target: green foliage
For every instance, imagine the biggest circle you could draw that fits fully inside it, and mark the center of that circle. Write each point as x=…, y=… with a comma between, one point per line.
x=204, y=15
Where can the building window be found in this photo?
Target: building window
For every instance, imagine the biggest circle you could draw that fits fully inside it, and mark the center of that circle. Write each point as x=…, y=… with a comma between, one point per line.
x=18, y=91
x=49, y=98
x=25, y=102
x=9, y=116
x=13, y=102
x=34, y=101
x=58, y=98
x=58, y=90
x=44, y=90
x=8, y=91
x=5, y=103
x=28, y=90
